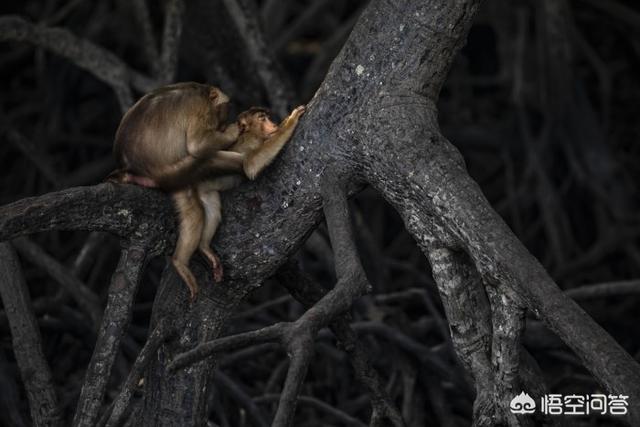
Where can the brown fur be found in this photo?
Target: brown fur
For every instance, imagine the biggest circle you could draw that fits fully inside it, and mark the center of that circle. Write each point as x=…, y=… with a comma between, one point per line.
x=253, y=151
x=169, y=134
x=175, y=138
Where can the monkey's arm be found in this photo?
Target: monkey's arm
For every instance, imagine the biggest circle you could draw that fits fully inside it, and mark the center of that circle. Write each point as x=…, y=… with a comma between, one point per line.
x=225, y=161
x=190, y=170
x=224, y=182
x=204, y=143
x=258, y=159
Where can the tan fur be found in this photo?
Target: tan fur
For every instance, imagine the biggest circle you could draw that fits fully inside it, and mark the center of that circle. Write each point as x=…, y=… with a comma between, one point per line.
x=191, y=223
x=170, y=133
x=175, y=138
x=166, y=140
x=253, y=152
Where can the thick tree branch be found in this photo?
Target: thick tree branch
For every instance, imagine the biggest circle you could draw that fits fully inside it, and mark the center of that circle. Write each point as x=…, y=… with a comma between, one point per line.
x=373, y=120
x=298, y=336
x=126, y=211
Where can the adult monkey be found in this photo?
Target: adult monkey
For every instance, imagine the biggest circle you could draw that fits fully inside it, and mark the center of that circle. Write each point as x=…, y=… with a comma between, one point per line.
x=174, y=138
x=170, y=136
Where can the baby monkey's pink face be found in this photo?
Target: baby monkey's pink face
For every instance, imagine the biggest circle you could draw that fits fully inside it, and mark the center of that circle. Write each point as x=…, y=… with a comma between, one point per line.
x=265, y=125
x=257, y=124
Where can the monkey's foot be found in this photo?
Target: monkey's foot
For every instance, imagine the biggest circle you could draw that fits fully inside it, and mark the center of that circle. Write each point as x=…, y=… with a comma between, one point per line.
x=188, y=278
x=216, y=265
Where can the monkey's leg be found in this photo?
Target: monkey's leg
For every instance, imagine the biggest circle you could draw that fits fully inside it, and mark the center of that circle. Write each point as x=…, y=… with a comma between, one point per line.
x=191, y=219
x=210, y=198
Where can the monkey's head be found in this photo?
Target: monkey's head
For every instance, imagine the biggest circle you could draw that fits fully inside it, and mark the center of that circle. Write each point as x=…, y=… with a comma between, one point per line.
x=220, y=102
x=256, y=121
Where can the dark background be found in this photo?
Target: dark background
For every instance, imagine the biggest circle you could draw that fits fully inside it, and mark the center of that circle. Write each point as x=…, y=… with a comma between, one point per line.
x=542, y=103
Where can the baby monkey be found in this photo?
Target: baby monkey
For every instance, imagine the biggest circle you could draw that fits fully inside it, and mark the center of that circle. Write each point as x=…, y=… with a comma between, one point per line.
x=175, y=139
x=199, y=207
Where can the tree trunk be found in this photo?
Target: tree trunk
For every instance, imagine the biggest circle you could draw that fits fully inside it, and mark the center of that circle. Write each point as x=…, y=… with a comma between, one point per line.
x=372, y=122
x=375, y=119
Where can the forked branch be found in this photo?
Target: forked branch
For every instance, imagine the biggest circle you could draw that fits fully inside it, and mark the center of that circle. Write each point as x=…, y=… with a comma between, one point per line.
x=298, y=337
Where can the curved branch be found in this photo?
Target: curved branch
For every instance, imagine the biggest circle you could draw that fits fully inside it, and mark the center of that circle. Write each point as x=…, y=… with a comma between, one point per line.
x=308, y=292
x=343, y=417
x=98, y=61
x=127, y=211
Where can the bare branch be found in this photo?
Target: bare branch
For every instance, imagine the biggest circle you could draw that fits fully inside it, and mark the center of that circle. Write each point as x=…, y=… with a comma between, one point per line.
x=87, y=301
x=508, y=324
x=268, y=334
x=617, y=10
x=122, y=291
x=605, y=290
x=126, y=211
x=236, y=393
x=469, y=316
x=27, y=344
x=149, y=41
x=98, y=61
x=339, y=415
x=292, y=30
x=245, y=19
x=298, y=336
x=149, y=350
x=168, y=61
x=32, y=152
x=308, y=292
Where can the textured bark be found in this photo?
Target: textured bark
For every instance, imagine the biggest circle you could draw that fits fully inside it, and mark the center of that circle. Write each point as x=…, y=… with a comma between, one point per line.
x=378, y=119
x=27, y=344
x=372, y=121
x=308, y=293
x=117, y=314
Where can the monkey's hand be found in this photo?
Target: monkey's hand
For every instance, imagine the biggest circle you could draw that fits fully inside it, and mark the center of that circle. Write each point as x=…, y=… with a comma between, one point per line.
x=232, y=131
x=297, y=112
x=293, y=118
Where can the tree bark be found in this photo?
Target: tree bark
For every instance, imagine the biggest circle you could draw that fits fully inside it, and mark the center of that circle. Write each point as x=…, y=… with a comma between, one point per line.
x=373, y=121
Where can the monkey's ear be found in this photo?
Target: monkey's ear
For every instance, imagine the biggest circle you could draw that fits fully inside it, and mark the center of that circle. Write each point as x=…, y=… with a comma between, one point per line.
x=213, y=93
